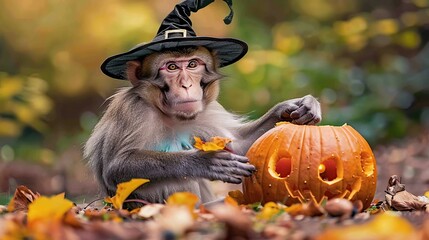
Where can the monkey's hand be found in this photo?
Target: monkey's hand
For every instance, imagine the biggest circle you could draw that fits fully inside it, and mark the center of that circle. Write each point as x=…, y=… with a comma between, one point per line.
x=225, y=166
x=305, y=110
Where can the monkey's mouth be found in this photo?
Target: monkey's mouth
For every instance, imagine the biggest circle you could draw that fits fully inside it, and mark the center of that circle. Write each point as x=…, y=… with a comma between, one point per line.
x=188, y=106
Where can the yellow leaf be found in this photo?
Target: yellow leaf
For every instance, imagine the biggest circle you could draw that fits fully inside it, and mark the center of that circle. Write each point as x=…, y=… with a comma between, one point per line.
x=183, y=198
x=384, y=226
x=198, y=143
x=11, y=230
x=41, y=104
x=25, y=113
x=215, y=144
x=10, y=86
x=270, y=209
x=231, y=201
x=10, y=128
x=52, y=208
x=123, y=190
x=186, y=199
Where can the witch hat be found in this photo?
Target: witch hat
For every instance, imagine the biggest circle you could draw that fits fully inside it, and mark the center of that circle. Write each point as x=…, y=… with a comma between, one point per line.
x=176, y=31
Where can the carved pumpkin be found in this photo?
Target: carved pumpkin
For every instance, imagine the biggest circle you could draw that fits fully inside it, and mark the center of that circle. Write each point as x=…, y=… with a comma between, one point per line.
x=300, y=163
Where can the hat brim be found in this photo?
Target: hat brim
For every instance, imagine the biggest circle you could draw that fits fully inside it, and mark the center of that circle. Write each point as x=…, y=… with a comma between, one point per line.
x=228, y=51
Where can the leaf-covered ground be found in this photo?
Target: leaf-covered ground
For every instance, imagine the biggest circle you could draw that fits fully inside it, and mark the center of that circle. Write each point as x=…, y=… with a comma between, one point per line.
x=399, y=211
x=32, y=216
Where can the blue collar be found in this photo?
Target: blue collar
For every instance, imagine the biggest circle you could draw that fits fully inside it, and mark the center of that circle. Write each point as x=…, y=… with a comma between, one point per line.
x=179, y=143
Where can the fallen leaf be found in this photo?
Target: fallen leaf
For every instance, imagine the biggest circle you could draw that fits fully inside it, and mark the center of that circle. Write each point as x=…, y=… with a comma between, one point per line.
x=405, y=201
x=95, y=214
x=22, y=197
x=52, y=208
x=175, y=218
x=383, y=226
x=310, y=209
x=71, y=219
x=269, y=210
x=230, y=201
x=150, y=210
x=123, y=190
x=187, y=199
x=10, y=230
x=215, y=144
x=399, y=199
x=238, y=224
x=237, y=195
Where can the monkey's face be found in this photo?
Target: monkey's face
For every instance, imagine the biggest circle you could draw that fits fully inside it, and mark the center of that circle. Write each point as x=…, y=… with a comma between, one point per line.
x=183, y=92
x=180, y=82
x=183, y=77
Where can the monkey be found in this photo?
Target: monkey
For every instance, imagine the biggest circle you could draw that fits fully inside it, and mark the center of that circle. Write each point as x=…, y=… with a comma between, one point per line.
x=147, y=129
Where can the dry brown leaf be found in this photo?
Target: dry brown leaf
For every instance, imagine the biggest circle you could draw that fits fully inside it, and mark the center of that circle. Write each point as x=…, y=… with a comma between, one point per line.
x=399, y=199
x=71, y=219
x=22, y=197
x=238, y=224
x=405, y=201
x=95, y=214
x=237, y=195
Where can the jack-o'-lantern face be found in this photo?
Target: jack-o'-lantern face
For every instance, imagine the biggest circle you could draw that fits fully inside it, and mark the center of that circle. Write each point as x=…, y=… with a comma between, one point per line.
x=299, y=163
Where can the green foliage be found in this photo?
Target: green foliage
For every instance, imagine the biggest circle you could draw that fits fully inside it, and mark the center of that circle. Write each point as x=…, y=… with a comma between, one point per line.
x=4, y=199
x=367, y=62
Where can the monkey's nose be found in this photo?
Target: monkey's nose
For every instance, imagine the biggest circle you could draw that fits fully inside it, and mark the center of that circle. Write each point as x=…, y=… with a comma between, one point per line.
x=186, y=86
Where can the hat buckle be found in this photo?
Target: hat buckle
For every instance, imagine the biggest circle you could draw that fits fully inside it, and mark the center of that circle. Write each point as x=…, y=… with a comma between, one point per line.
x=174, y=33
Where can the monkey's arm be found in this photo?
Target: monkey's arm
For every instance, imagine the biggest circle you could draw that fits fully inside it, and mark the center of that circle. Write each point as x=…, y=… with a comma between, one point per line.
x=305, y=110
x=155, y=166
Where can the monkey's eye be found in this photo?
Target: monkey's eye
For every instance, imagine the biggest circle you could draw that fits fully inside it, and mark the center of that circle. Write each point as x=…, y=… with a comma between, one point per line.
x=193, y=63
x=172, y=66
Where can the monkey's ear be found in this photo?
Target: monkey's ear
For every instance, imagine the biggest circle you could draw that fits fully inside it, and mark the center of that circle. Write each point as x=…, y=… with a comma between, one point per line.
x=133, y=72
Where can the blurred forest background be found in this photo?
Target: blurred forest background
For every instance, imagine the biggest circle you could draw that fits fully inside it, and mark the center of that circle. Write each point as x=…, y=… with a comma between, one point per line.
x=367, y=62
